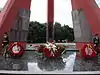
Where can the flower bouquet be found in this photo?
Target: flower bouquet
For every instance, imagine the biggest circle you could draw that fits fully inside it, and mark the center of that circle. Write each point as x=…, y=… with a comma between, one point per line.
x=88, y=51
x=51, y=50
x=16, y=50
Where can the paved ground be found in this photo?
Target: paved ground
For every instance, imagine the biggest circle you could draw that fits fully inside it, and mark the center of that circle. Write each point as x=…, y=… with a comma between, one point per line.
x=31, y=62
x=87, y=64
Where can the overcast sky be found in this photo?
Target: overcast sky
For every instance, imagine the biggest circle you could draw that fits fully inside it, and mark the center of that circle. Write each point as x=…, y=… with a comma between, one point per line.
x=62, y=10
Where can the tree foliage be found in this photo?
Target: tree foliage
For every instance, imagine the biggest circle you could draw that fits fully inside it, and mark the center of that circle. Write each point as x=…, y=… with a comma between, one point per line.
x=37, y=32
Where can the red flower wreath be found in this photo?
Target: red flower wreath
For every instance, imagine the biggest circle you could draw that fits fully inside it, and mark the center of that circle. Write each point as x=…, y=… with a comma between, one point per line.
x=88, y=51
x=16, y=49
x=50, y=50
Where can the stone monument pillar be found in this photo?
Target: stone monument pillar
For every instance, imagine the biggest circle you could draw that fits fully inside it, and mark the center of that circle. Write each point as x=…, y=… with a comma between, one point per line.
x=50, y=21
x=86, y=21
x=19, y=32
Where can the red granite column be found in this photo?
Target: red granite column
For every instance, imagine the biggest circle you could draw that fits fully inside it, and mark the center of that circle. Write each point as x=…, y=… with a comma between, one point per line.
x=50, y=20
x=9, y=14
x=14, y=19
x=86, y=17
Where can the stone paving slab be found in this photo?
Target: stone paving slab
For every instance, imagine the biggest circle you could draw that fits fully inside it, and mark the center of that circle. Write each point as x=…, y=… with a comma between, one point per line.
x=87, y=64
x=37, y=64
x=32, y=63
x=27, y=72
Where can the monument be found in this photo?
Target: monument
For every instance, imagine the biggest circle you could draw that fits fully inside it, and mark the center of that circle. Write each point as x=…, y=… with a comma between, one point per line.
x=14, y=18
x=86, y=20
x=50, y=21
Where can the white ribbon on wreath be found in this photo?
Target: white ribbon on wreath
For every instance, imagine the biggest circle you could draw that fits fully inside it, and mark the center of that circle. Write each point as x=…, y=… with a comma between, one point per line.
x=88, y=50
x=52, y=48
x=16, y=48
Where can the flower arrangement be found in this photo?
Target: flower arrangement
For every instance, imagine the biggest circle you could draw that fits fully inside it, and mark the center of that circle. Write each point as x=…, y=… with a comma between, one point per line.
x=51, y=49
x=88, y=51
x=16, y=50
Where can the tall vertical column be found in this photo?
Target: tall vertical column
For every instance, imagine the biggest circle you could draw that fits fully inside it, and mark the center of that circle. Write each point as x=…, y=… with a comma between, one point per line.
x=86, y=20
x=20, y=30
x=15, y=18
x=50, y=20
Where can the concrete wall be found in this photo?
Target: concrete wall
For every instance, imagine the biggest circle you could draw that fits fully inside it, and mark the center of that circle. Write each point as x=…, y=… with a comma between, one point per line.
x=10, y=13
x=19, y=32
x=82, y=29
x=92, y=13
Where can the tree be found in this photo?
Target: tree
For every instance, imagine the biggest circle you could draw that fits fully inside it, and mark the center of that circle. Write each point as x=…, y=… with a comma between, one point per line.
x=37, y=32
x=68, y=33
